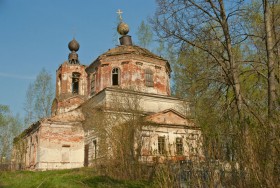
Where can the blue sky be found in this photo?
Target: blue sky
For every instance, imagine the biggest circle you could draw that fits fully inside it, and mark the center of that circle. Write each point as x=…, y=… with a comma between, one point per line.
x=34, y=35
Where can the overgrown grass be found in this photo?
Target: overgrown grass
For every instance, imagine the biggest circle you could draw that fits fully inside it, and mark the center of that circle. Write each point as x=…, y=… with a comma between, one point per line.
x=84, y=177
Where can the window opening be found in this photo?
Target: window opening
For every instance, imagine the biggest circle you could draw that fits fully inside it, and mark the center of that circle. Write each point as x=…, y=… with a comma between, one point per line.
x=86, y=162
x=115, y=76
x=92, y=84
x=179, y=146
x=161, y=145
x=149, y=78
x=75, y=82
x=59, y=84
x=94, y=149
x=30, y=150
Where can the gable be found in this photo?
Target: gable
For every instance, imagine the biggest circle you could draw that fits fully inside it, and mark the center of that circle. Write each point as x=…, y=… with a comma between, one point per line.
x=71, y=116
x=169, y=117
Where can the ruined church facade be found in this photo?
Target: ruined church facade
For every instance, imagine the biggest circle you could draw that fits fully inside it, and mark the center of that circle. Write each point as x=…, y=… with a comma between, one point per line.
x=120, y=80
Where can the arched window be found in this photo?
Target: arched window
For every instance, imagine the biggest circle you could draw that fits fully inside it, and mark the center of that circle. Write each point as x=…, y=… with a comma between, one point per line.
x=115, y=76
x=92, y=84
x=75, y=82
x=149, y=78
x=59, y=84
x=30, y=150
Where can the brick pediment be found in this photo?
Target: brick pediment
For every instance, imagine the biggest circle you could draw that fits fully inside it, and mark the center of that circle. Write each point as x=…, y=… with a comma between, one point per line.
x=169, y=117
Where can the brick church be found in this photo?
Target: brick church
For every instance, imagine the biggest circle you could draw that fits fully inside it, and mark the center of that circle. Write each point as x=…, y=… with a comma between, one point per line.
x=119, y=82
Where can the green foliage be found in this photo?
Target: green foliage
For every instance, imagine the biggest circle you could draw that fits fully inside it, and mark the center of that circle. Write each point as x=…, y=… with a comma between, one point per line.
x=144, y=35
x=84, y=177
x=225, y=68
x=3, y=111
x=10, y=126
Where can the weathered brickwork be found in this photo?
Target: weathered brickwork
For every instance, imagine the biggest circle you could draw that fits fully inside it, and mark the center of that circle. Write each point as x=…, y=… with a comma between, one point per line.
x=123, y=77
x=49, y=144
x=132, y=71
x=171, y=126
x=66, y=97
x=61, y=146
x=64, y=79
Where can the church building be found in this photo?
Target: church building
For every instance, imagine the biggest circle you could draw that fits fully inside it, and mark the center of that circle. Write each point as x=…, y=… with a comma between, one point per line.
x=124, y=81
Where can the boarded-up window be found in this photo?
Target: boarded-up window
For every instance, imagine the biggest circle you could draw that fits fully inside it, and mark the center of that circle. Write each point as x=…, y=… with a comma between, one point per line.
x=65, y=154
x=161, y=145
x=115, y=76
x=149, y=78
x=75, y=82
x=179, y=146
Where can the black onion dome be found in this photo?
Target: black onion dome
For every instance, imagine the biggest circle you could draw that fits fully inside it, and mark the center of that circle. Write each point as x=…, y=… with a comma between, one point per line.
x=73, y=45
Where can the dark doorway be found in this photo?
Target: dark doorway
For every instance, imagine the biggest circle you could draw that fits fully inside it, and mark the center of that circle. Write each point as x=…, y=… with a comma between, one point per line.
x=86, y=155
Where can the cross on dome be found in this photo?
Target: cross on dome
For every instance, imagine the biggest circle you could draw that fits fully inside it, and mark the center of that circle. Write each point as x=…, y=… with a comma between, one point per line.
x=119, y=12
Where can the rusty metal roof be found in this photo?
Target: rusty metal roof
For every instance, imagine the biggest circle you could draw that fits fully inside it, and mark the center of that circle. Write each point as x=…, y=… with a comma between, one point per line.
x=129, y=49
x=125, y=49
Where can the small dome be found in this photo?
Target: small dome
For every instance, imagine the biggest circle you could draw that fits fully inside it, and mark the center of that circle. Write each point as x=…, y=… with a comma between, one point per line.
x=123, y=28
x=73, y=45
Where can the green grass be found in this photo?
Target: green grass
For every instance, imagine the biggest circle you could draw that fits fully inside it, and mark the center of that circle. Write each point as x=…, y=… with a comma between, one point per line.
x=74, y=178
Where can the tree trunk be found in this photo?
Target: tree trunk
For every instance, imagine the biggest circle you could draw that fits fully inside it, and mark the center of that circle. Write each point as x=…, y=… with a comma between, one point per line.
x=271, y=93
x=233, y=66
x=270, y=61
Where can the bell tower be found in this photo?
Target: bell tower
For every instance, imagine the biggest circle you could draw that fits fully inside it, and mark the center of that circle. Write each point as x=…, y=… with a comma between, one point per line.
x=71, y=82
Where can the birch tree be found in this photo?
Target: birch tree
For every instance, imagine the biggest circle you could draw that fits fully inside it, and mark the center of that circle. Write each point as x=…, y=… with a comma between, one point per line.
x=144, y=35
x=39, y=96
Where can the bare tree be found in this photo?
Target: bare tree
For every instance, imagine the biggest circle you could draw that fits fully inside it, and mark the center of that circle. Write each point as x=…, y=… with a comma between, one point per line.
x=117, y=127
x=270, y=44
x=271, y=92
x=39, y=98
x=208, y=27
x=231, y=80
